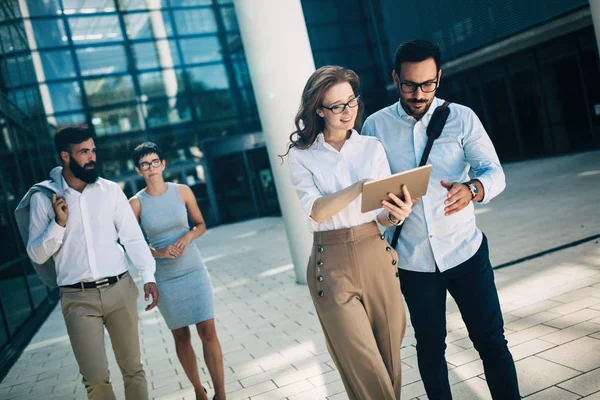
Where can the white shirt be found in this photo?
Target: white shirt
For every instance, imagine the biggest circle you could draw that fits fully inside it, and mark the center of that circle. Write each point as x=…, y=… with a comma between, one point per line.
x=429, y=237
x=321, y=170
x=86, y=250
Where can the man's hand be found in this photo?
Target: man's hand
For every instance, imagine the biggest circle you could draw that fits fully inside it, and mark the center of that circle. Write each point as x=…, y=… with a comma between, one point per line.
x=150, y=288
x=61, y=210
x=399, y=210
x=459, y=196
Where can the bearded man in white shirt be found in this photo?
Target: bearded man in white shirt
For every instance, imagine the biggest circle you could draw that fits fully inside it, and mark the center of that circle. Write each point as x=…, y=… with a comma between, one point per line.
x=79, y=230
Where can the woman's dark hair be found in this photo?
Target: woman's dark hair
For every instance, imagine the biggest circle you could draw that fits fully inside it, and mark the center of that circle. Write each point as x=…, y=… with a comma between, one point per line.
x=416, y=51
x=70, y=135
x=308, y=123
x=144, y=149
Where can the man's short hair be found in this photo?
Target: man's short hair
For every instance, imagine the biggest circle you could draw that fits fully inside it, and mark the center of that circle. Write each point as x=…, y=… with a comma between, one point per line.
x=70, y=135
x=416, y=51
x=143, y=150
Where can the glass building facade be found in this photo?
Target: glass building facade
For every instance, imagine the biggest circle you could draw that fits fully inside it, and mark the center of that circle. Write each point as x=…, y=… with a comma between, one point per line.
x=26, y=156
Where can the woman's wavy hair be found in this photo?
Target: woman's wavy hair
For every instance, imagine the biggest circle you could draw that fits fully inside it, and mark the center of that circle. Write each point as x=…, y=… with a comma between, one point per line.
x=308, y=123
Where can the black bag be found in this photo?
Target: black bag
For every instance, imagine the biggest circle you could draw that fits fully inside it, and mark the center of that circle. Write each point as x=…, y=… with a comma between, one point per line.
x=434, y=130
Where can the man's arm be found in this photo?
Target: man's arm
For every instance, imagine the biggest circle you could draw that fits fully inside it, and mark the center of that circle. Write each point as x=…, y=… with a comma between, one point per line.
x=45, y=234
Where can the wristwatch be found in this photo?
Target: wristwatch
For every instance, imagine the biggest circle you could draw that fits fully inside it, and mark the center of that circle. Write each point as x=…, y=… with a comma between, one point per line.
x=473, y=189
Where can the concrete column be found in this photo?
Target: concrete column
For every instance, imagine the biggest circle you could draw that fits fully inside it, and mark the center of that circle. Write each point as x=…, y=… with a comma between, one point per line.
x=280, y=61
x=595, y=9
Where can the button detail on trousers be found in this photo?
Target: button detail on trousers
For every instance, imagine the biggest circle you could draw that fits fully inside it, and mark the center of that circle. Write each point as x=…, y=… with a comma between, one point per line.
x=320, y=249
x=320, y=278
x=397, y=274
x=394, y=262
x=388, y=248
x=321, y=293
x=382, y=237
x=320, y=263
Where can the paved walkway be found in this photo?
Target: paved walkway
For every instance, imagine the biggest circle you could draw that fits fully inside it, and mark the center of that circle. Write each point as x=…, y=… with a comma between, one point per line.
x=272, y=342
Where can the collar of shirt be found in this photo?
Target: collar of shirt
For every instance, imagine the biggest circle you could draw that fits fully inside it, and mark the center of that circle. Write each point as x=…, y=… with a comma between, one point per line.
x=352, y=139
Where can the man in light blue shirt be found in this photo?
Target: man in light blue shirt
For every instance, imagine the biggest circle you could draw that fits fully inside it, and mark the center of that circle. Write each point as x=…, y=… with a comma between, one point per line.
x=440, y=247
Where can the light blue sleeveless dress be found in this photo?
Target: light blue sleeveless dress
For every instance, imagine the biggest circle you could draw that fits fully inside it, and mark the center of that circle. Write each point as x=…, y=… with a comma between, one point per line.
x=185, y=290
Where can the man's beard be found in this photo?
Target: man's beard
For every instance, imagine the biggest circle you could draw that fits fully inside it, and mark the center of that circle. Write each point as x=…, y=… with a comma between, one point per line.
x=86, y=175
x=406, y=104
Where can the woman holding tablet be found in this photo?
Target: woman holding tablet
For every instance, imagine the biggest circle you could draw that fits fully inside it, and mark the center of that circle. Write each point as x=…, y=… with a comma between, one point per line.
x=352, y=271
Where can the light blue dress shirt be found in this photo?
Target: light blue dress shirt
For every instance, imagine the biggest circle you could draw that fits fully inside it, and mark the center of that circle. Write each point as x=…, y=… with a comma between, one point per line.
x=430, y=238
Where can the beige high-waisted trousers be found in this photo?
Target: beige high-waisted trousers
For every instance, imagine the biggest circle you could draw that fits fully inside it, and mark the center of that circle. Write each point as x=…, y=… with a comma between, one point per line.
x=353, y=281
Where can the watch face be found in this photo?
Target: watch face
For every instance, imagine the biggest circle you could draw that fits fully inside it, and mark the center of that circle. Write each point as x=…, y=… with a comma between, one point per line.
x=474, y=188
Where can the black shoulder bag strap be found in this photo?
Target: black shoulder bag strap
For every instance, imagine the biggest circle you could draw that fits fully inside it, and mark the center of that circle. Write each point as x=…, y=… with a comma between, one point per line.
x=434, y=130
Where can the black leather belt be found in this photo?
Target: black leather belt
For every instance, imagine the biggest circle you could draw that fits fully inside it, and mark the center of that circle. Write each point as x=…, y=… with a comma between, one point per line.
x=97, y=284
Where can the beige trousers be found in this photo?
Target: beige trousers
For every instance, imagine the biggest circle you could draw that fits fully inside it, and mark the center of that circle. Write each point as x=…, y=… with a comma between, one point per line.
x=353, y=281
x=86, y=314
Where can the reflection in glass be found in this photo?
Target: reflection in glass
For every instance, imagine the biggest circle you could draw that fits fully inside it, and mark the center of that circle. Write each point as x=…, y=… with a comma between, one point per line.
x=201, y=50
x=96, y=29
x=190, y=3
x=142, y=4
x=200, y=20
x=58, y=64
x=18, y=71
x=213, y=104
x=49, y=32
x=87, y=6
x=69, y=119
x=46, y=7
x=208, y=77
x=229, y=19
x=102, y=60
x=166, y=112
x=14, y=292
x=150, y=55
x=109, y=90
x=65, y=96
x=118, y=120
x=161, y=83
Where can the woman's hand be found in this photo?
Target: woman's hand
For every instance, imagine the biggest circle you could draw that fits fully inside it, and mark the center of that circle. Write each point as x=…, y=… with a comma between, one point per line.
x=171, y=252
x=184, y=241
x=399, y=210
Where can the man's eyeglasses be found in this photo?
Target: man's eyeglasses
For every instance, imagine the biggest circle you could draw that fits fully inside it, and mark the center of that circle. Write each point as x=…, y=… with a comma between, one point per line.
x=145, y=166
x=340, y=108
x=411, y=87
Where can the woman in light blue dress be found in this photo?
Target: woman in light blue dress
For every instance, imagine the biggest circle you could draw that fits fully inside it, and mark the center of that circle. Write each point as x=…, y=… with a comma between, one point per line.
x=185, y=292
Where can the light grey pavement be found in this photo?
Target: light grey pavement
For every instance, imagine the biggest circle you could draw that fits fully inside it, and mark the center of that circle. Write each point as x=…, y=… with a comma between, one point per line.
x=272, y=342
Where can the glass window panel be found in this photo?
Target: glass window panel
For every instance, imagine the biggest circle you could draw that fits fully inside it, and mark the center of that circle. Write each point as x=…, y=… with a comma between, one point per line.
x=208, y=77
x=225, y=1
x=17, y=34
x=20, y=71
x=229, y=19
x=213, y=104
x=201, y=50
x=69, y=119
x=66, y=96
x=36, y=287
x=13, y=291
x=58, y=64
x=96, y=29
x=326, y=37
x=109, y=90
x=145, y=25
x=87, y=6
x=116, y=121
x=49, y=32
x=162, y=83
x=150, y=55
x=142, y=4
x=3, y=335
x=190, y=3
x=200, y=20
x=102, y=60
x=168, y=111
x=46, y=7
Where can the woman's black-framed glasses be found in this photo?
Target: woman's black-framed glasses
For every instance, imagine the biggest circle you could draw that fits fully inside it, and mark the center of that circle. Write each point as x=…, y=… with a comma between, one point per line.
x=411, y=87
x=145, y=166
x=340, y=108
